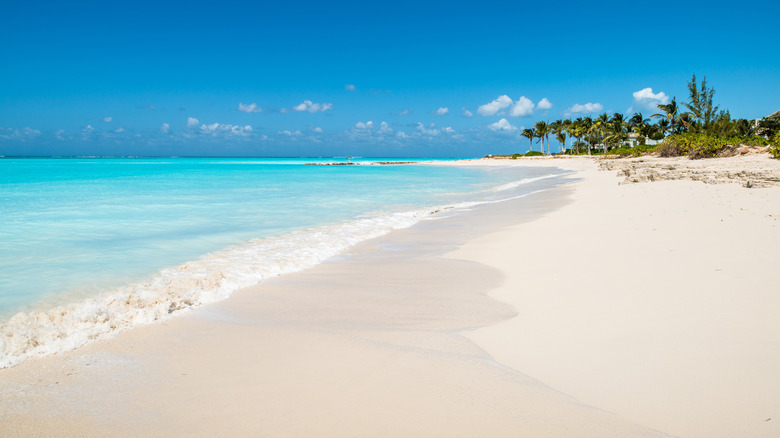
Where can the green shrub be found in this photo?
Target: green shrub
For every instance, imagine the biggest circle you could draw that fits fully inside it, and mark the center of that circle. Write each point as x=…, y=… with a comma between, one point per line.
x=694, y=146
x=774, y=146
x=753, y=140
x=533, y=154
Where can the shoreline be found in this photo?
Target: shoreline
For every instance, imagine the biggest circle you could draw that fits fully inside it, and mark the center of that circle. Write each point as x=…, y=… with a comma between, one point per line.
x=215, y=275
x=414, y=353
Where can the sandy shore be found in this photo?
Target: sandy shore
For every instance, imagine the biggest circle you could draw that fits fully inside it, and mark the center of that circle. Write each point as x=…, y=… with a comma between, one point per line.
x=655, y=301
x=594, y=309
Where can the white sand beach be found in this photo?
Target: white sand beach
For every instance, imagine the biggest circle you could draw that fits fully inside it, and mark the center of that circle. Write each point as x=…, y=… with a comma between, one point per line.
x=656, y=301
x=590, y=310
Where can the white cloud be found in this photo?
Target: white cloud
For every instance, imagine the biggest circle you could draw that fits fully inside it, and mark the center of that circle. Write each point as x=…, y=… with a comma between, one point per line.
x=467, y=113
x=219, y=129
x=401, y=135
x=87, y=132
x=165, y=128
x=25, y=134
x=647, y=94
x=646, y=99
x=119, y=130
x=405, y=112
x=317, y=130
x=107, y=119
x=364, y=126
x=295, y=133
x=587, y=108
x=250, y=108
x=350, y=87
x=443, y=110
x=430, y=131
x=215, y=128
x=448, y=130
x=544, y=104
x=384, y=128
x=502, y=126
x=370, y=131
x=312, y=107
x=499, y=104
x=524, y=107
x=60, y=134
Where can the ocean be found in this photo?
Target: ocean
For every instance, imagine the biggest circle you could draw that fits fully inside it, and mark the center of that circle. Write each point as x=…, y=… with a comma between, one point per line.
x=92, y=246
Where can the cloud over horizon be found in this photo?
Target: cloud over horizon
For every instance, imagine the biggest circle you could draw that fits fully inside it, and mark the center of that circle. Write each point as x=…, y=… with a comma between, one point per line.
x=587, y=108
x=250, y=108
x=544, y=104
x=312, y=107
x=498, y=104
x=646, y=99
x=502, y=125
x=212, y=130
x=522, y=107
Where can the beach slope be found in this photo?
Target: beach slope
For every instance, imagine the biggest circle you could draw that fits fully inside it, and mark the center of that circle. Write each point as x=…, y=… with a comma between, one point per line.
x=657, y=301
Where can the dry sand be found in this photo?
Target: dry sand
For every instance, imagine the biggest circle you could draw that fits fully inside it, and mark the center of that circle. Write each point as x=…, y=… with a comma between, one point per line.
x=658, y=301
x=589, y=310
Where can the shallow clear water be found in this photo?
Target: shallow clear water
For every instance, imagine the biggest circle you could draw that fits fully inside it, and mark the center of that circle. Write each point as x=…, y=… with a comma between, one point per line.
x=150, y=231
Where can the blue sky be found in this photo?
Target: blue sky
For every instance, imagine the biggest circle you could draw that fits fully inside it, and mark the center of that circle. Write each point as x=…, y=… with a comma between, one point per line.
x=359, y=78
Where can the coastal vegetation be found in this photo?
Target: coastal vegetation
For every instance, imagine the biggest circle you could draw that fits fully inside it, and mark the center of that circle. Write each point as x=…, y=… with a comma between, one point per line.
x=697, y=129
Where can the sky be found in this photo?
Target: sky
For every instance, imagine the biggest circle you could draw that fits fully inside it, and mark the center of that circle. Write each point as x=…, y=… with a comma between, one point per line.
x=372, y=79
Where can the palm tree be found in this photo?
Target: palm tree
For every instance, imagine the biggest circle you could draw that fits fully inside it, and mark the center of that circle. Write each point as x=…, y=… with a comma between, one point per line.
x=601, y=127
x=618, y=129
x=530, y=134
x=566, y=125
x=556, y=128
x=587, y=130
x=561, y=137
x=638, y=124
x=577, y=130
x=670, y=114
x=637, y=120
x=542, y=131
x=686, y=122
x=663, y=125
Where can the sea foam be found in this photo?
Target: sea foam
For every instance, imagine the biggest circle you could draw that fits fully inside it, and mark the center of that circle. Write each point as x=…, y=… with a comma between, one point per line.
x=210, y=278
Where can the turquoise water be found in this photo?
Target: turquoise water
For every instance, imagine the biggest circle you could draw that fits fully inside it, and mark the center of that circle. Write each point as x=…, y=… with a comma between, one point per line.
x=107, y=243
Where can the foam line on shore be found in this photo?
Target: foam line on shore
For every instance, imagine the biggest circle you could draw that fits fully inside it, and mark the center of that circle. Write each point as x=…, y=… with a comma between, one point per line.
x=213, y=277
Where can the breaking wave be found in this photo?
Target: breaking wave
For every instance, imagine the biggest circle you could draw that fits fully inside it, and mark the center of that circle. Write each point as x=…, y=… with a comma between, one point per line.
x=212, y=277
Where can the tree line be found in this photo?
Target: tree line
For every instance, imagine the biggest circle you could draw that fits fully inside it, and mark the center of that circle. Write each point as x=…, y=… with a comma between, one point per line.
x=698, y=119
